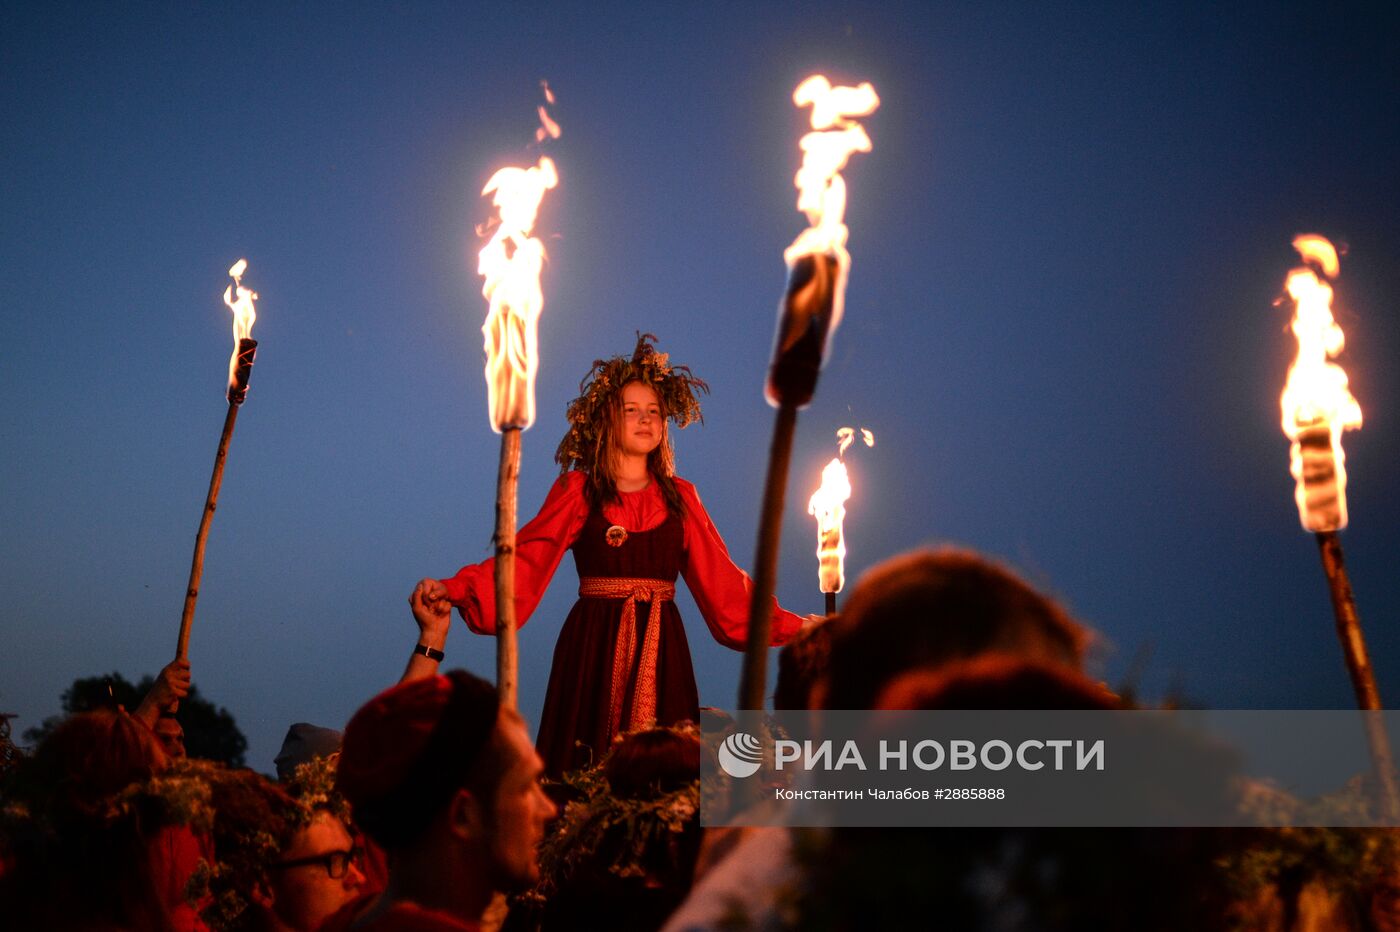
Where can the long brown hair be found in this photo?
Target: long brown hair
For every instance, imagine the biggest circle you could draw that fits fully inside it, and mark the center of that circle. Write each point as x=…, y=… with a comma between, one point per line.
x=591, y=445
x=600, y=484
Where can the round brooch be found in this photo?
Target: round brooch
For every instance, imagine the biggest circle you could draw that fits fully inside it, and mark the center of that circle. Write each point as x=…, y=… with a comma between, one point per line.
x=617, y=535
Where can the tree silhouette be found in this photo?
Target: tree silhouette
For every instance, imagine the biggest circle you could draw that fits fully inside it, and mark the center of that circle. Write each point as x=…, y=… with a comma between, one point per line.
x=10, y=754
x=210, y=731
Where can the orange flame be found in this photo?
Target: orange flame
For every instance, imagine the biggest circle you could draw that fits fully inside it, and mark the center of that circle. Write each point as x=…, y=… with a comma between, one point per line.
x=548, y=128
x=1317, y=405
x=845, y=436
x=828, y=505
x=240, y=301
x=511, y=262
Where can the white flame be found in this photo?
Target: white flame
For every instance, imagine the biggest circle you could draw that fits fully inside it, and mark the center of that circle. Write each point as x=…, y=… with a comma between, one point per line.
x=240, y=301
x=511, y=263
x=828, y=505
x=825, y=151
x=1316, y=403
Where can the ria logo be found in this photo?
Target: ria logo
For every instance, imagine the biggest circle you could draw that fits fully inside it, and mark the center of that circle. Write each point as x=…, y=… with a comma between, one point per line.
x=740, y=755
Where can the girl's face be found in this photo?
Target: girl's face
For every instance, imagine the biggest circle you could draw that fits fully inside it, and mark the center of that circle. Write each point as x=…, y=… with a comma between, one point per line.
x=642, y=426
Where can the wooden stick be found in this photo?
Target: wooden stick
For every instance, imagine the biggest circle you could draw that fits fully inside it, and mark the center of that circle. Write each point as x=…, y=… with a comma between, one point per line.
x=1363, y=680
x=246, y=352
x=830, y=603
x=211, y=502
x=752, y=682
x=507, y=481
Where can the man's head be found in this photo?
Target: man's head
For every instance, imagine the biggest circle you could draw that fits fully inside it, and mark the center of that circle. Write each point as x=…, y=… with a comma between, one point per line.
x=928, y=608
x=285, y=866
x=171, y=735
x=304, y=743
x=435, y=769
x=518, y=809
x=89, y=758
x=315, y=874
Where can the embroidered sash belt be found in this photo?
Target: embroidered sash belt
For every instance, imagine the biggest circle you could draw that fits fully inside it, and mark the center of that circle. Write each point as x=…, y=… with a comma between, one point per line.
x=655, y=591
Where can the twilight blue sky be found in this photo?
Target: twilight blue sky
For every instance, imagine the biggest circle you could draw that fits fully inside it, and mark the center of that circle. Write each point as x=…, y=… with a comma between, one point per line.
x=1066, y=243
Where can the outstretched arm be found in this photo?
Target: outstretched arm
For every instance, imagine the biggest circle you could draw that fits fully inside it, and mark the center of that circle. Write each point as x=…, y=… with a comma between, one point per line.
x=721, y=589
x=539, y=546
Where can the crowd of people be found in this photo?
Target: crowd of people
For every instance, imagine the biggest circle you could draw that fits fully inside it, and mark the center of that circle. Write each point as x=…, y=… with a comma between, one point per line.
x=433, y=810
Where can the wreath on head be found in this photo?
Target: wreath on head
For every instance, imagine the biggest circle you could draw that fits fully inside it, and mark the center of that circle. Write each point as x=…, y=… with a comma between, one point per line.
x=675, y=386
x=624, y=837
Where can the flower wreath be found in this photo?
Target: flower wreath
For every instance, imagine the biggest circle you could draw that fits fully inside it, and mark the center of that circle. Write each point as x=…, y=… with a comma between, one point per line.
x=596, y=816
x=189, y=791
x=675, y=386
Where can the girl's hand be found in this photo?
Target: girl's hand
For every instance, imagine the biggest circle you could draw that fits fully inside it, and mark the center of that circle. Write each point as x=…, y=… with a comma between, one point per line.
x=432, y=611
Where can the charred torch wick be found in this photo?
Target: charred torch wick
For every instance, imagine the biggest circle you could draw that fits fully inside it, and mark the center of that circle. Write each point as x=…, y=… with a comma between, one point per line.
x=238, y=391
x=803, y=328
x=1321, y=503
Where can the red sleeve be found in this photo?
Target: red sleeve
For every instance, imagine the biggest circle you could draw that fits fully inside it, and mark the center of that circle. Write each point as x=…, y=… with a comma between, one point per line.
x=720, y=588
x=539, y=546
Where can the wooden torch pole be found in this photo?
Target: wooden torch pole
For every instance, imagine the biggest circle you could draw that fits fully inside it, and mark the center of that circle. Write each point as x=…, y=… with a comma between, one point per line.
x=507, y=481
x=1363, y=680
x=752, y=682
x=247, y=349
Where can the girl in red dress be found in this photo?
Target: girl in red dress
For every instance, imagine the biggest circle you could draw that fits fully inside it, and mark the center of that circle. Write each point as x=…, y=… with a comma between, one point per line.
x=622, y=661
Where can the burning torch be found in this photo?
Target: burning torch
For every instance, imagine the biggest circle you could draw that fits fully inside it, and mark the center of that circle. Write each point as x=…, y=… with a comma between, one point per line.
x=511, y=263
x=240, y=367
x=817, y=264
x=828, y=506
x=1317, y=407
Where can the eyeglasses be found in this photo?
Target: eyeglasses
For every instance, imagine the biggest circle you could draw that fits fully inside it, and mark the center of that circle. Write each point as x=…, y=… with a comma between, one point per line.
x=336, y=863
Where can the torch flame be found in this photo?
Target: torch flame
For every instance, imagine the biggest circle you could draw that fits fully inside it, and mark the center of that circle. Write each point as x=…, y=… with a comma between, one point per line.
x=845, y=436
x=240, y=301
x=1317, y=405
x=817, y=260
x=511, y=262
x=828, y=505
x=548, y=128
x=825, y=151
x=1319, y=251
